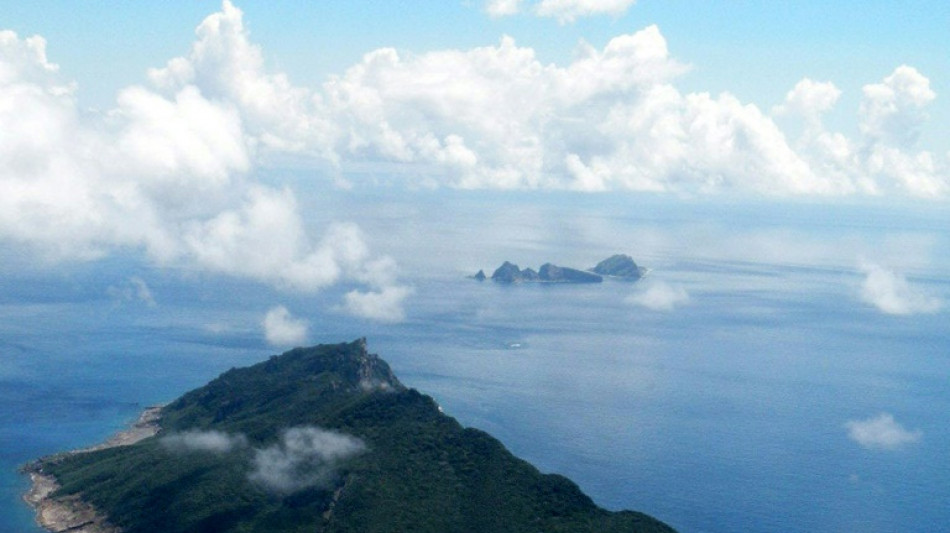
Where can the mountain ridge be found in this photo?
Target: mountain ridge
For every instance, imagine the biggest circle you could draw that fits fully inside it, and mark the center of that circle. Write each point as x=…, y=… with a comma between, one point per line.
x=323, y=438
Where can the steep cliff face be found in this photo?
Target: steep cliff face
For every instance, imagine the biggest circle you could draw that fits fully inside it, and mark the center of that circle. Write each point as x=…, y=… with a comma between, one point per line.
x=324, y=438
x=620, y=266
x=507, y=273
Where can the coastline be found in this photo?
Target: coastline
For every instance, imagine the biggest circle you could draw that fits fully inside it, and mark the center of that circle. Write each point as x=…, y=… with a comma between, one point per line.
x=70, y=513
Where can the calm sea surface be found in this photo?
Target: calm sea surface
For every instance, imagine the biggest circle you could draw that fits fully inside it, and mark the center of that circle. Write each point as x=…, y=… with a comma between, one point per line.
x=726, y=413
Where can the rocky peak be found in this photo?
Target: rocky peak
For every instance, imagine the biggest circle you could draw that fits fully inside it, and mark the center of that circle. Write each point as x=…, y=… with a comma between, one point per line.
x=621, y=266
x=507, y=273
x=373, y=372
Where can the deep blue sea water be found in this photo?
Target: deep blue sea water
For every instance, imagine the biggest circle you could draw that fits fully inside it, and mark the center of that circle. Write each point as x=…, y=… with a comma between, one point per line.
x=727, y=413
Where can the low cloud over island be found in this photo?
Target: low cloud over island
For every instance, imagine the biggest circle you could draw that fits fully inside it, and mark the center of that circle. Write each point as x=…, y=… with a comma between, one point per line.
x=305, y=456
x=203, y=441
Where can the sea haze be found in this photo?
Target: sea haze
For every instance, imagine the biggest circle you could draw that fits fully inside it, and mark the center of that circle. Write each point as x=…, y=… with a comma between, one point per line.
x=759, y=379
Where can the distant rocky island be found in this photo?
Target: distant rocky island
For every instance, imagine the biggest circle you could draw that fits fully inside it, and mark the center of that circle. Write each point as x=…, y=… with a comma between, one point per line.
x=618, y=266
x=321, y=439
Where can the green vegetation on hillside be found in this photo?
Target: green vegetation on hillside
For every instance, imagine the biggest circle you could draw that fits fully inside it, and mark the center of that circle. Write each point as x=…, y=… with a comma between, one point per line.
x=324, y=439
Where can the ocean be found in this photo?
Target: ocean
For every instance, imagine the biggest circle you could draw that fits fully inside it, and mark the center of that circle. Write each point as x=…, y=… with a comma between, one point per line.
x=730, y=398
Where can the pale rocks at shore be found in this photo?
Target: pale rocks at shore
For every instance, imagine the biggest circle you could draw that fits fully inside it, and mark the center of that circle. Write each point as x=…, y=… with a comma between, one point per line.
x=70, y=514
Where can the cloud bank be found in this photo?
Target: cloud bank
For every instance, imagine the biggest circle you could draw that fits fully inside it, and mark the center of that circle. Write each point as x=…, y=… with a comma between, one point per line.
x=659, y=296
x=881, y=432
x=174, y=170
x=282, y=329
x=305, y=457
x=613, y=119
x=491, y=117
x=891, y=293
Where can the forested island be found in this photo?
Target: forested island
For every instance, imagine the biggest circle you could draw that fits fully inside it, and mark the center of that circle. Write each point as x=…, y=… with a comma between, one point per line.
x=618, y=266
x=324, y=439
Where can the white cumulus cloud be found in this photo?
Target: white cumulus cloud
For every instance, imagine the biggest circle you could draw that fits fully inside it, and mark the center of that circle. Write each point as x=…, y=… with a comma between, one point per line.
x=282, y=329
x=25, y=59
x=306, y=456
x=570, y=10
x=264, y=239
x=502, y=8
x=891, y=293
x=383, y=305
x=226, y=66
x=496, y=117
x=885, y=158
x=613, y=118
x=172, y=169
x=167, y=141
x=493, y=117
x=810, y=99
x=185, y=149
x=565, y=11
x=659, y=296
x=881, y=432
x=893, y=110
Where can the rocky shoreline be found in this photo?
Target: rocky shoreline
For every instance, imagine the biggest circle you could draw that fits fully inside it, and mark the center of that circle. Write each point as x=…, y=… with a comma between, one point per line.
x=70, y=513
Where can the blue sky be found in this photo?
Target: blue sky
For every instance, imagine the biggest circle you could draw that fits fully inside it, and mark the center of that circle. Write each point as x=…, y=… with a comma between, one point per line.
x=169, y=131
